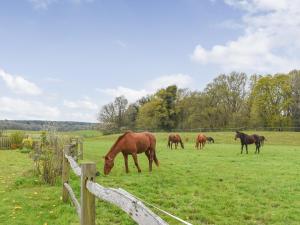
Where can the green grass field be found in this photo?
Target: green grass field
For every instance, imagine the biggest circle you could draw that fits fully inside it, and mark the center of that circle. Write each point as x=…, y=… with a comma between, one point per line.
x=215, y=186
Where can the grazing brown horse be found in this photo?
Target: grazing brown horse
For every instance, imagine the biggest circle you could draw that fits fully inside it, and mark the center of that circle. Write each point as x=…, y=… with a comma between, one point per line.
x=131, y=143
x=248, y=139
x=200, y=141
x=175, y=139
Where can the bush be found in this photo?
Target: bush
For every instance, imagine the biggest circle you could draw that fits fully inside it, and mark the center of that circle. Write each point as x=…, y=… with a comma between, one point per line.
x=47, y=156
x=16, y=139
x=27, y=143
x=25, y=150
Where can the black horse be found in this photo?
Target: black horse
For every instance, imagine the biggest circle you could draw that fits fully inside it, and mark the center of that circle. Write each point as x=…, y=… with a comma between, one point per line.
x=262, y=140
x=210, y=140
x=248, y=139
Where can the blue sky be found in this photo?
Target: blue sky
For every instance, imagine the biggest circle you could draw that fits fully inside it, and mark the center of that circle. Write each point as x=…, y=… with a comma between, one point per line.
x=64, y=59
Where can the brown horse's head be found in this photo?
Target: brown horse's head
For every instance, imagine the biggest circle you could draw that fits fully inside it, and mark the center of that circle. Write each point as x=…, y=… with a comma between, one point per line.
x=109, y=164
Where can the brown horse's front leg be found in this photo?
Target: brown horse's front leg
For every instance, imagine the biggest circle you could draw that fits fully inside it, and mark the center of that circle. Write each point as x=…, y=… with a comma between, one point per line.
x=126, y=162
x=134, y=156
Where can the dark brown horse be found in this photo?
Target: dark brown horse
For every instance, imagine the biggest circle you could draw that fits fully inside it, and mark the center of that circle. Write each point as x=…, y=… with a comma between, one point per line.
x=175, y=139
x=131, y=143
x=248, y=139
x=200, y=141
x=210, y=140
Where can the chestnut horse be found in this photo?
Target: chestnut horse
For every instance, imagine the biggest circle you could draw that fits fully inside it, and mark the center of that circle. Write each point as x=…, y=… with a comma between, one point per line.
x=200, y=141
x=131, y=143
x=248, y=139
x=175, y=139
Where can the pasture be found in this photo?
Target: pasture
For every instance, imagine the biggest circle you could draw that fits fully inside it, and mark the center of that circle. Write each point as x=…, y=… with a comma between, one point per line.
x=216, y=185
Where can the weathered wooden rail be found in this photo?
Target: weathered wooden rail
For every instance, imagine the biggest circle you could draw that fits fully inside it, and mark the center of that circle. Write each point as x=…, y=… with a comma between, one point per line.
x=86, y=208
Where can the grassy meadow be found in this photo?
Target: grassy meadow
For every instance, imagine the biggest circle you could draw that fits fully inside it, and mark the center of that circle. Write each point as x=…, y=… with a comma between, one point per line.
x=216, y=185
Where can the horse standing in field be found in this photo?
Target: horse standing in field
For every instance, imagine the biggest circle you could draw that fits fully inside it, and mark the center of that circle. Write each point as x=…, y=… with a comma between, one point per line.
x=262, y=140
x=200, y=141
x=131, y=143
x=210, y=140
x=175, y=139
x=248, y=139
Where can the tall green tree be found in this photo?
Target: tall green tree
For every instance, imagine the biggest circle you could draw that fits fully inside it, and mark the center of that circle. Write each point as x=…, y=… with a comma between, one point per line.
x=226, y=97
x=112, y=115
x=161, y=111
x=295, y=86
x=272, y=101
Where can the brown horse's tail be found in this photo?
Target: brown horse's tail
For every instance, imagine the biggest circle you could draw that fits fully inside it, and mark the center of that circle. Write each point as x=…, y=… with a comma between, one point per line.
x=169, y=143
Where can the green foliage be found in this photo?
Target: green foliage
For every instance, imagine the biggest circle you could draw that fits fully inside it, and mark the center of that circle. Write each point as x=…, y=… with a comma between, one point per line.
x=16, y=139
x=112, y=115
x=25, y=150
x=47, y=156
x=272, y=101
x=27, y=143
x=229, y=101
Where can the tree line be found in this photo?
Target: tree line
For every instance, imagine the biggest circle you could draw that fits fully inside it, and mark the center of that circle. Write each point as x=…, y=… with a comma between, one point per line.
x=37, y=125
x=229, y=101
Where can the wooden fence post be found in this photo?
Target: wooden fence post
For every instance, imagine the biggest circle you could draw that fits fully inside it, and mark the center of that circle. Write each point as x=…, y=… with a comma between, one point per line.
x=88, y=208
x=65, y=173
x=81, y=149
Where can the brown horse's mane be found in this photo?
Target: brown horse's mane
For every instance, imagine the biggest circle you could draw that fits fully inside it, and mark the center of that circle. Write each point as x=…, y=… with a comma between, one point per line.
x=118, y=140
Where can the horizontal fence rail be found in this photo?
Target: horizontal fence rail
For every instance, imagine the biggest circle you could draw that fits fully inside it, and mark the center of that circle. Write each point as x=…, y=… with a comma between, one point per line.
x=75, y=167
x=127, y=202
x=86, y=208
x=73, y=198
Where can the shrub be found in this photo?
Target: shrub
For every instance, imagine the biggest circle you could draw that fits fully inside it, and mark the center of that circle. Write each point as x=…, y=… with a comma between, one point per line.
x=27, y=143
x=16, y=139
x=47, y=156
x=25, y=150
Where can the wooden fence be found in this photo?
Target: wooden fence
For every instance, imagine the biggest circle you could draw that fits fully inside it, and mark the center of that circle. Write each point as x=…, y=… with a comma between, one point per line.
x=90, y=190
x=5, y=142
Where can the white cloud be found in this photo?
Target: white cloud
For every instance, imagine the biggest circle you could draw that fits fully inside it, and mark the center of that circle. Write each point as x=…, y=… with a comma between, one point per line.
x=44, y=4
x=80, y=116
x=15, y=108
x=268, y=44
x=19, y=85
x=120, y=43
x=41, y=4
x=131, y=94
x=83, y=104
x=181, y=80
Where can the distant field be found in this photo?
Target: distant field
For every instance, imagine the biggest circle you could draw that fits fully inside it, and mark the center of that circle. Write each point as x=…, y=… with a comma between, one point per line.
x=214, y=186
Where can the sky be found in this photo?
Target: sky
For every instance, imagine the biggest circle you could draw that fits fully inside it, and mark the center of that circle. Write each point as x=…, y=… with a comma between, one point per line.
x=64, y=59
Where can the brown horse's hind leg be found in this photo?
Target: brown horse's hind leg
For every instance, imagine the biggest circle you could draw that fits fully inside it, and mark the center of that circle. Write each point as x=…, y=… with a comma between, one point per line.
x=126, y=162
x=150, y=159
x=134, y=156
